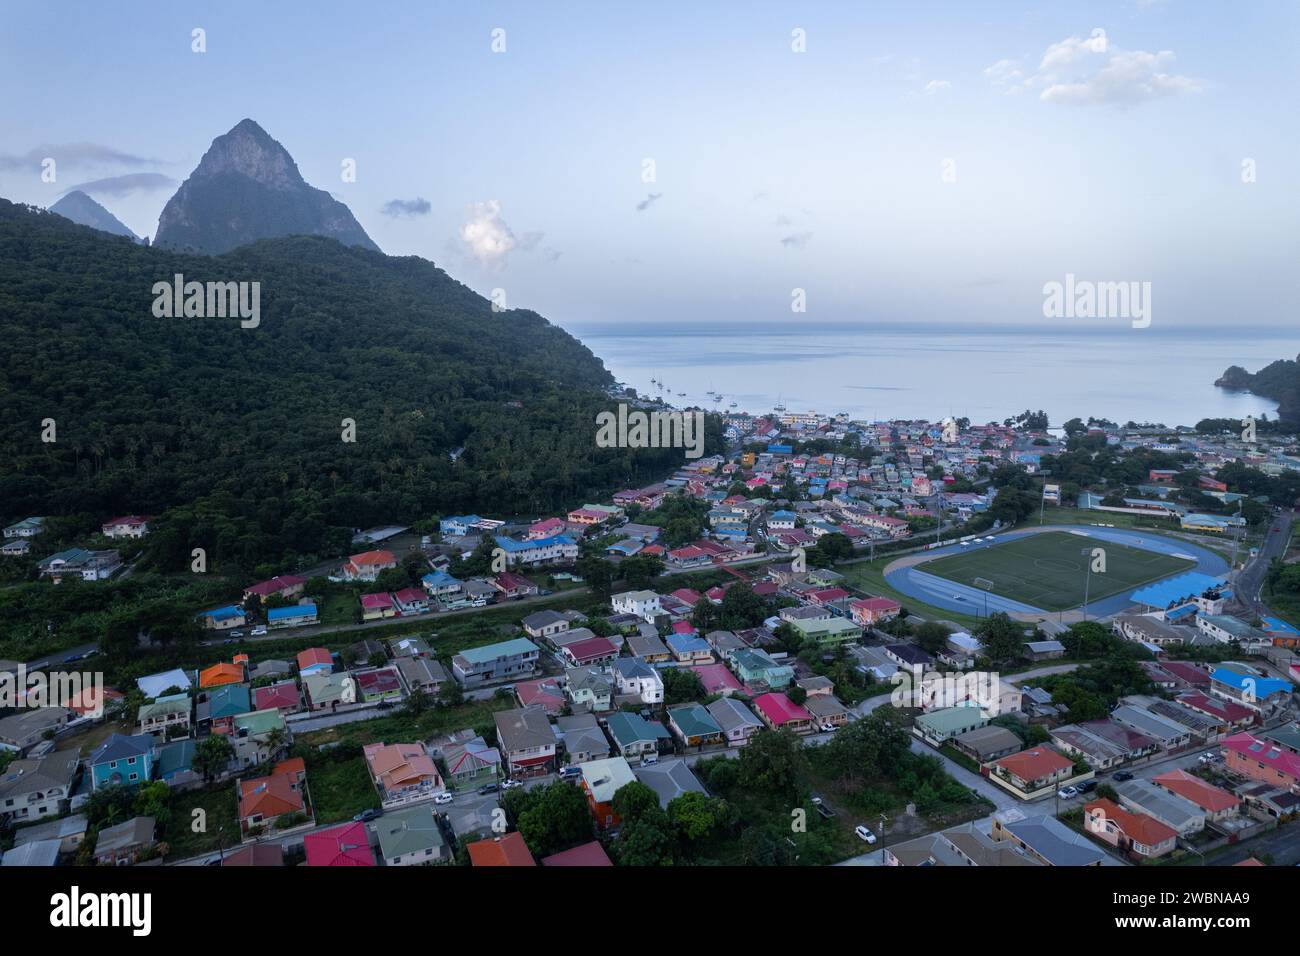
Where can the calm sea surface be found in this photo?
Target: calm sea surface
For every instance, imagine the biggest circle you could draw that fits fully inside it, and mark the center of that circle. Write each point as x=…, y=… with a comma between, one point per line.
x=904, y=371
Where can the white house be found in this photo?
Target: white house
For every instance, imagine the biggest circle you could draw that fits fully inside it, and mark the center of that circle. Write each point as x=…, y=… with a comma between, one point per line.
x=644, y=604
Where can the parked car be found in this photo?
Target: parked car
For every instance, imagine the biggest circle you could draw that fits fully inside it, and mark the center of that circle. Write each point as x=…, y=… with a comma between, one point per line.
x=510, y=784
x=1209, y=756
x=1067, y=793
x=444, y=798
x=365, y=816
x=827, y=728
x=488, y=788
x=567, y=773
x=1086, y=786
x=259, y=630
x=864, y=834
x=1122, y=775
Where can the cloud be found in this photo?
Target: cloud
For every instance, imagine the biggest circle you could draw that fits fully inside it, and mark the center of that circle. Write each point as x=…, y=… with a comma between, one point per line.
x=1091, y=69
x=74, y=154
x=1129, y=77
x=644, y=204
x=936, y=86
x=796, y=240
x=124, y=185
x=484, y=236
x=406, y=208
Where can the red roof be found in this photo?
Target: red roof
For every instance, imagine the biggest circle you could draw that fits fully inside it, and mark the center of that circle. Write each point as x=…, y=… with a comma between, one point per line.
x=689, y=595
x=314, y=656
x=381, y=600
x=826, y=595
x=1225, y=710
x=508, y=850
x=716, y=678
x=346, y=845
x=765, y=588
x=543, y=691
x=683, y=627
x=275, y=585
x=780, y=709
x=876, y=604
x=1187, y=673
x=410, y=595
x=1035, y=763
x=1138, y=826
x=1204, y=795
x=509, y=581
x=690, y=551
x=590, y=649
x=588, y=854
x=373, y=558
x=276, y=696
x=1266, y=752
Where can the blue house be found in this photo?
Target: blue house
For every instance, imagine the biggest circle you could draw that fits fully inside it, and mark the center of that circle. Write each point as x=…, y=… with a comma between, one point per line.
x=295, y=615
x=122, y=760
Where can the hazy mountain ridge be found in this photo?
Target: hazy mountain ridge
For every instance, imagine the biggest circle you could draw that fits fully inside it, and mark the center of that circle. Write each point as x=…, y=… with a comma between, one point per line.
x=84, y=211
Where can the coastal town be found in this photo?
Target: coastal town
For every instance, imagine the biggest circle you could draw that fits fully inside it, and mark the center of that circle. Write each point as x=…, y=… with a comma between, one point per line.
x=900, y=643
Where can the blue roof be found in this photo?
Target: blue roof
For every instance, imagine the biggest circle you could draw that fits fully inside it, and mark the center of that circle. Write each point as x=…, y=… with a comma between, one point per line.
x=1164, y=593
x=687, y=642
x=510, y=544
x=438, y=579
x=1179, y=613
x=1260, y=686
x=224, y=613
x=780, y=449
x=786, y=515
x=293, y=610
x=1276, y=624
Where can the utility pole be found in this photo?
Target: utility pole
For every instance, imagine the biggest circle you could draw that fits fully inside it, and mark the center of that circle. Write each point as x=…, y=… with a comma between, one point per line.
x=1087, y=580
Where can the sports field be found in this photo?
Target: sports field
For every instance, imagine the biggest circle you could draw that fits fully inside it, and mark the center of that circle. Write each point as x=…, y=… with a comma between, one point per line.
x=1048, y=570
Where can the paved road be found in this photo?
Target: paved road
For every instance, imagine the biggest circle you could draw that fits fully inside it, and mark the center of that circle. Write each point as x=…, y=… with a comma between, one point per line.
x=1250, y=580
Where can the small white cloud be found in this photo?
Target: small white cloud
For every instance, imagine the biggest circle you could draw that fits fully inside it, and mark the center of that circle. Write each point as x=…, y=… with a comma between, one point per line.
x=485, y=236
x=936, y=86
x=1091, y=69
x=796, y=240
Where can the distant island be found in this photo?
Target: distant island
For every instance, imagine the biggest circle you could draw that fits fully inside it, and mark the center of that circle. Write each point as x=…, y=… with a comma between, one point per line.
x=1279, y=381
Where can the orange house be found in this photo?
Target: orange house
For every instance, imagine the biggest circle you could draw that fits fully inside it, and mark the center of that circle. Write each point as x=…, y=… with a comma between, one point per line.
x=601, y=779
x=507, y=850
x=219, y=674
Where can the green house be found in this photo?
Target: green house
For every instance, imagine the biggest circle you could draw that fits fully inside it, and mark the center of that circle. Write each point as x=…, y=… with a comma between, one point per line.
x=754, y=666
x=829, y=631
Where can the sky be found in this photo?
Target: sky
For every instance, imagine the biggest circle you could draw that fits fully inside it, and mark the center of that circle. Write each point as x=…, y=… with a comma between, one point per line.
x=905, y=162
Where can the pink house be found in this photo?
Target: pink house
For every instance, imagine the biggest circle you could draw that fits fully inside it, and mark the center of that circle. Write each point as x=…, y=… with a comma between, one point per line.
x=778, y=711
x=874, y=610
x=345, y=845
x=547, y=528
x=717, y=679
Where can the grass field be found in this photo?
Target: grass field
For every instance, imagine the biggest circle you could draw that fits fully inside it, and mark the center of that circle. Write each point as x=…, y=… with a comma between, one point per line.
x=1048, y=570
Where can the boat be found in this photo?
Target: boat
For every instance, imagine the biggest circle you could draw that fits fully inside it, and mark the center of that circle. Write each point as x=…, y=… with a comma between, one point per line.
x=733, y=405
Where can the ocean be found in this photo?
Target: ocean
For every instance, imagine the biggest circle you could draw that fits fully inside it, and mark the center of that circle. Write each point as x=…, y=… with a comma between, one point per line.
x=878, y=372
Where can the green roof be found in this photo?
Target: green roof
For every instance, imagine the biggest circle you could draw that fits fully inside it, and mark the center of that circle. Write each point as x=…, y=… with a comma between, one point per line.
x=175, y=704
x=950, y=719
x=693, y=720
x=490, y=652
x=260, y=721
x=628, y=729
x=408, y=831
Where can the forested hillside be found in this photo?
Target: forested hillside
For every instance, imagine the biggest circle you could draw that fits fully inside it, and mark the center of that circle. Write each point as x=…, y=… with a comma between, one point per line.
x=233, y=434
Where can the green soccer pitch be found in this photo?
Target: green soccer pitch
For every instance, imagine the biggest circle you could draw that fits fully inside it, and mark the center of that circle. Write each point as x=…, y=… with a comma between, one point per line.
x=1047, y=570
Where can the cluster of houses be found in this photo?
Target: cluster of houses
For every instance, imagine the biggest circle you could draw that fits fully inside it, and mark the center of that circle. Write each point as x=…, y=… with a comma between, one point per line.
x=88, y=565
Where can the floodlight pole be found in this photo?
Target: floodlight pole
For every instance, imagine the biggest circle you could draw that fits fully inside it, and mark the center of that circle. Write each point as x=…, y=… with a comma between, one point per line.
x=1087, y=580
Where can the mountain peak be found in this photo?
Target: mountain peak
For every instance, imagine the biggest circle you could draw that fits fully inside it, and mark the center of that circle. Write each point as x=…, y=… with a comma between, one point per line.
x=84, y=211
x=247, y=187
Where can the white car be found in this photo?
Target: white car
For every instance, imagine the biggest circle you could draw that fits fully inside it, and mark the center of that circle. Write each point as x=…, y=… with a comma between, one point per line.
x=259, y=630
x=864, y=834
x=827, y=728
x=510, y=784
x=1067, y=793
x=444, y=798
x=1208, y=757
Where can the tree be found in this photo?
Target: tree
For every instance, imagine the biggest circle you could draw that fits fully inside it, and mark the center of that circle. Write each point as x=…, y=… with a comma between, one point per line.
x=418, y=702
x=682, y=685
x=932, y=636
x=773, y=763
x=212, y=755
x=1003, y=638
x=153, y=799
x=641, y=570
x=864, y=749
x=697, y=815
x=558, y=818
x=451, y=694
x=634, y=800
x=647, y=841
